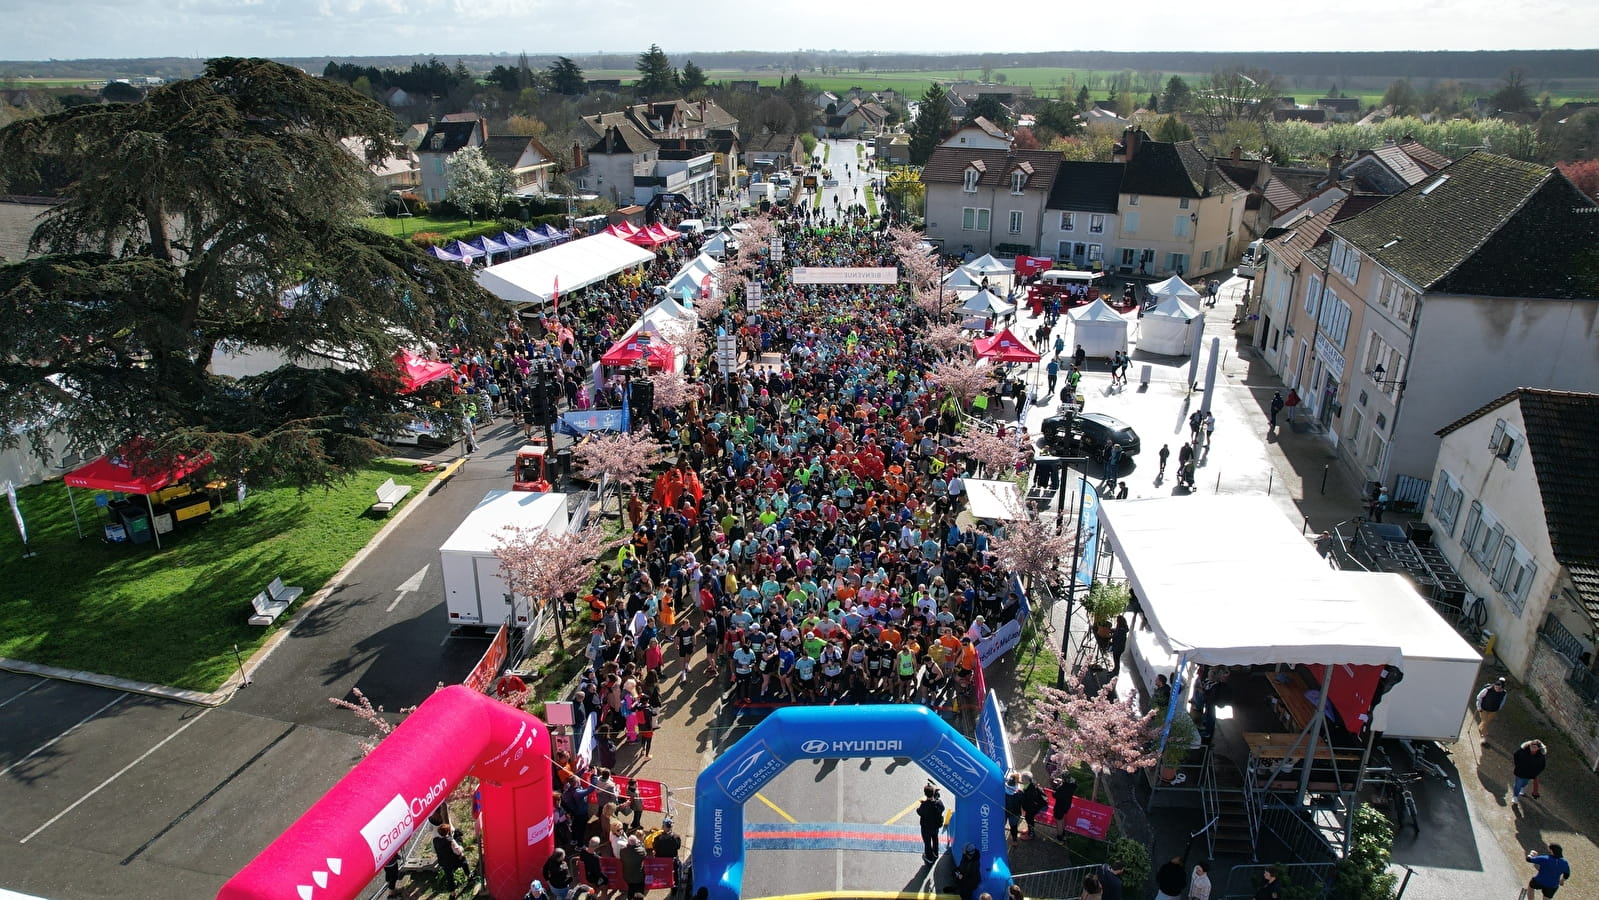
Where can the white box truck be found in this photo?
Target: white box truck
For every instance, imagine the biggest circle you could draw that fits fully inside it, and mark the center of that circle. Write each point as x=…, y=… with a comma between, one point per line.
x=474, y=590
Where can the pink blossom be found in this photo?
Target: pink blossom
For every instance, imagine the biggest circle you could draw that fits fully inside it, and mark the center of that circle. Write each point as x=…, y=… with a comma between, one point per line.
x=1092, y=729
x=961, y=379
x=673, y=390
x=946, y=338
x=627, y=458
x=541, y=564
x=997, y=455
x=1031, y=548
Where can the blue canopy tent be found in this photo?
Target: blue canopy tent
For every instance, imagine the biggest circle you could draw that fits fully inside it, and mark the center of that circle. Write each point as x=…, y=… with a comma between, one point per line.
x=447, y=256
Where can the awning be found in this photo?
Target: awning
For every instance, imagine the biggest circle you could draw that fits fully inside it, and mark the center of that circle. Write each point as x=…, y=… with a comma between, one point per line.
x=1005, y=347
x=532, y=279
x=628, y=350
x=117, y=473
x=416, y=371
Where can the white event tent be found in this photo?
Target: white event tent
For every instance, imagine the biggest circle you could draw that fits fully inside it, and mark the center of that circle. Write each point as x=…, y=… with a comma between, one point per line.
x=1264, y=597
x=1169, y=328
x=1098, y=329
x=532, y=280
x=1173, y=287
x=693, y=275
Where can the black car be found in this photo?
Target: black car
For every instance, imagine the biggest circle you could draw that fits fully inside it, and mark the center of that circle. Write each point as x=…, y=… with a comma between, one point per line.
x=1098, y=432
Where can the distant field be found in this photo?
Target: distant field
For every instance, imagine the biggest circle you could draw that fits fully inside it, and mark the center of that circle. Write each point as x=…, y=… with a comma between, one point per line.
x=1047, y=82
x=56, y=82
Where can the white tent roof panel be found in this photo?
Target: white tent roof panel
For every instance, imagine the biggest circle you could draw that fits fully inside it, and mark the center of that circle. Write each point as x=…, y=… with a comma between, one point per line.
x=532, y=279
x=1263, y=596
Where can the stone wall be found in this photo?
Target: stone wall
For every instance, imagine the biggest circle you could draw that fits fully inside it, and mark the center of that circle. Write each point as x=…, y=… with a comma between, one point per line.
x=1546, y=675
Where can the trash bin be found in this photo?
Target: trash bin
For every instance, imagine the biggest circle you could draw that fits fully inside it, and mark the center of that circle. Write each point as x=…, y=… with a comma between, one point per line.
x=563, y=464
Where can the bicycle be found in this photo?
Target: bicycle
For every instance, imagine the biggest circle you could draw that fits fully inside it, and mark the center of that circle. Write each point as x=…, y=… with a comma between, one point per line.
x=1401, y=800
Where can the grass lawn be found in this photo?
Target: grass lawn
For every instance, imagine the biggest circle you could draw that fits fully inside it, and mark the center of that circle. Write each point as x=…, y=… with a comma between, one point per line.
x=448, y=226
x=871, y=202
x=172, y=616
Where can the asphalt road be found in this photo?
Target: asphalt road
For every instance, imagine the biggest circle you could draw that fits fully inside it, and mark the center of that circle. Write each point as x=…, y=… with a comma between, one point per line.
x=118, y=795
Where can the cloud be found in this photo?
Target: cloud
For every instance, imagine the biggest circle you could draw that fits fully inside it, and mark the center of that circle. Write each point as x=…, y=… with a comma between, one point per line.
x=64, y=29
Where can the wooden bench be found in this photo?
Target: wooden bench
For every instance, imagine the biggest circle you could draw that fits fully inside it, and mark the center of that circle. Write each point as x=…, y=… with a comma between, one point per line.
x=1265, y=745
x=270, y=603
x=389, y=496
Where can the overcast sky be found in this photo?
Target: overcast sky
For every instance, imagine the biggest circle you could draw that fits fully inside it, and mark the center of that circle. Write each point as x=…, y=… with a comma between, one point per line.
x=64, y=29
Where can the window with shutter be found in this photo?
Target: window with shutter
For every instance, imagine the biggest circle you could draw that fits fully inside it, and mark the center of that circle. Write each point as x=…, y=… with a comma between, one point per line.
x=1526, y=571
x=1503, y=559
x=1515, y=452
x=1473, y=523
x=1483, y=553
x=1498, y=436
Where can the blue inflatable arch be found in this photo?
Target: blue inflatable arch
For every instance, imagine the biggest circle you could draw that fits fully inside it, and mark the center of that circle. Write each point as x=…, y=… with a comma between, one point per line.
x=792, y=734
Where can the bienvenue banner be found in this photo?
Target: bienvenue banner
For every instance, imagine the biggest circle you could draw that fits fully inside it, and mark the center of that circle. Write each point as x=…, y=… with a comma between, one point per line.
x=841, y=275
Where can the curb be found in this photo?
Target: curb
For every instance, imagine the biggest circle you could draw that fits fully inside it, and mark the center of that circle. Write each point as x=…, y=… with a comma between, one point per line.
x=234, y=682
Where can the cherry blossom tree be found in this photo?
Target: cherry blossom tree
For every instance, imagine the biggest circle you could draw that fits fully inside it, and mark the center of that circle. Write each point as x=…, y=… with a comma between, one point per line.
x=363, y=709
x=961, y=379
x=946, y=338
x=674, y=389
x=997, y=455
x=906, y=240
x=710, y=306
x=543, y=565
x=627, y=458
x=1083, y=727
x=1032, y=548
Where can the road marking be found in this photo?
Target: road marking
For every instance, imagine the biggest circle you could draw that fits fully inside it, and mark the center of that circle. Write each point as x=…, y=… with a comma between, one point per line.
x=902, y=813
x=208, y=795
x=120, y=772
x=408, y=586
x=775, y=808
x=48, y=744
x=35, y=686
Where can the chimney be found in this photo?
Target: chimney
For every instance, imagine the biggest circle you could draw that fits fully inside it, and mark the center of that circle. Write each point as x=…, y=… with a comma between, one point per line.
x=1238, y=152
x=1131, y=138
x=577, y=155
x=433, y=122
x=1335, y=164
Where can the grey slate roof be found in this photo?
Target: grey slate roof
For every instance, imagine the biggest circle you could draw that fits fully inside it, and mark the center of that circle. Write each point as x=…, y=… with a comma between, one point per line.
x=1087, y=187
x=1486, y=225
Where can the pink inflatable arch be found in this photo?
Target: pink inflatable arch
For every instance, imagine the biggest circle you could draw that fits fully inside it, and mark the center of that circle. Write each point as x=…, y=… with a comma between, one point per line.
x=334, y=850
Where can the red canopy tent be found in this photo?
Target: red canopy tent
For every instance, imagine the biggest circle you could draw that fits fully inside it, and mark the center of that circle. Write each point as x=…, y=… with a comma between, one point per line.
x=125, y=473
x=654, y=236
x=622, y=230
x=1005, y=347
x=416, y=371
x=628, y=350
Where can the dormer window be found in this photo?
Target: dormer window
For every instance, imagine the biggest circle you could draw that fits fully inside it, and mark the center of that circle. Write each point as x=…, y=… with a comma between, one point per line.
x=970, y=185
x=438, y=142
x=1018, y=180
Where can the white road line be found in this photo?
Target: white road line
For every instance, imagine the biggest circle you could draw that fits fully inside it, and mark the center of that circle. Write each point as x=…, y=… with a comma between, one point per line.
x=48, y=744
x=120, y=772
x=17, y=696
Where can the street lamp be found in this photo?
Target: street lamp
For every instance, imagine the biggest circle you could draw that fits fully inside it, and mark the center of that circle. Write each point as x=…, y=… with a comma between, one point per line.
x=1377, y=377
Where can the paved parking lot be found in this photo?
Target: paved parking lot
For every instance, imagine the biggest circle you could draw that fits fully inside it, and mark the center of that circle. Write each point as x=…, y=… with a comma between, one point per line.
x=110, y=794
x=119, y=795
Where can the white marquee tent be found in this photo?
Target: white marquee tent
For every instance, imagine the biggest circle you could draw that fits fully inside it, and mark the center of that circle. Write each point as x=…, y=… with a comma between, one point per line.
x=987, y=265
x=960, y=279
x=1169, y=328
x=1098, y=329
x=531, y=280
x=720, y=244
x=692, y=276
x=1264, y=596
x=984, y=308
x=1173, y=287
